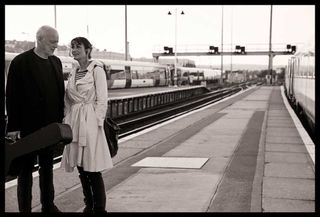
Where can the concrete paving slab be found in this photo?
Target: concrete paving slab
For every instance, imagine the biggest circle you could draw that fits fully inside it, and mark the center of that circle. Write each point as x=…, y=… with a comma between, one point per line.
x=278, y=131
x=278, y=117
x=216, y=165
x=288, y=188
x=275, y=114
x=284, y=139
x=241, y=114
x=172, y=162
x=205, y=150
x=270, y=125
x=280, y=157
x=137, y=143
x=124, y=153
x=286, y=205
x=278, y=147
x=249, y=105
x=228, y=124
x=155, y=135
x=289, y=170
x=163, y=190
x=280, y=122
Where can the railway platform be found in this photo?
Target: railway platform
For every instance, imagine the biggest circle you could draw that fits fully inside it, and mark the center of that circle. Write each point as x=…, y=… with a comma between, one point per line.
x=246, y=153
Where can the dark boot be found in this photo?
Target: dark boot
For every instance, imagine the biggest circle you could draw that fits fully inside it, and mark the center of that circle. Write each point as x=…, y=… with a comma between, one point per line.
x=86, y=187
x=25, y=181
x=46, y=181
x=98, y=192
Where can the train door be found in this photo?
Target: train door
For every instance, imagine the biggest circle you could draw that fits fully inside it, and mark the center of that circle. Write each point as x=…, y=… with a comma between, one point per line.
x=128, y=76
x=157, y=77
x=172, y=76
x=291, y=75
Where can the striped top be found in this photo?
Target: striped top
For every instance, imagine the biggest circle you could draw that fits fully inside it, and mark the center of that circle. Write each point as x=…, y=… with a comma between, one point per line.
x=80, y=74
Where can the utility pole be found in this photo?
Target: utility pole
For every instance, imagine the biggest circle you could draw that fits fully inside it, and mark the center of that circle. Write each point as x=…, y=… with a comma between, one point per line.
x=55, y=16
x=175, y=49
x=125, y=30
x=221, y=79
x=231, y=39
x=270, y=48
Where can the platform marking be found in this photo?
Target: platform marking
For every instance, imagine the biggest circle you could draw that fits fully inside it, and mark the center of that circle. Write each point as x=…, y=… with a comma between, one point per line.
x=302, y=132
x=172, y=162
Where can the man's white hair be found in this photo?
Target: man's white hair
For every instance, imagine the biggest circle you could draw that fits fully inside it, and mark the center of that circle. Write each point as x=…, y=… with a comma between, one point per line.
x=43, y=31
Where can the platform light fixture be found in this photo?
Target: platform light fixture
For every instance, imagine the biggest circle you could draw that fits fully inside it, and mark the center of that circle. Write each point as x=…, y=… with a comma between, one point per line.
x=175, y=52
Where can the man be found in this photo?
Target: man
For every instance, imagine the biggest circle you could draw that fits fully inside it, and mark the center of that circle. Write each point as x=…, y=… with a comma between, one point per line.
x=34, y=99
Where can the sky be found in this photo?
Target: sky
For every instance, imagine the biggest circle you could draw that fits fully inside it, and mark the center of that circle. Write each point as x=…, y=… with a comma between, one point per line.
x=150, y=28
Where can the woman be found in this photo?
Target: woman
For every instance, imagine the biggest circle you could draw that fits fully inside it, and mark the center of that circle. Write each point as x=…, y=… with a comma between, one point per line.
x=86, y=102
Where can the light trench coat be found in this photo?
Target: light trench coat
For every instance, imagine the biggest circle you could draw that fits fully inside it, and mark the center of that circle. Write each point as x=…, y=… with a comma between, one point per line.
x=86, y=103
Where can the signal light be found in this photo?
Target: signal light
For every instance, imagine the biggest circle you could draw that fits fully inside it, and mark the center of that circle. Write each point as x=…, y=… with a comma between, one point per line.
x=291, y=48
x=169, y=49
x=215, y=49
x=241, y=48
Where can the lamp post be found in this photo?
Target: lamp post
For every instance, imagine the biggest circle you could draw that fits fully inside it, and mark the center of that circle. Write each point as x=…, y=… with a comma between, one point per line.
x=175, y=52
x=55, y=16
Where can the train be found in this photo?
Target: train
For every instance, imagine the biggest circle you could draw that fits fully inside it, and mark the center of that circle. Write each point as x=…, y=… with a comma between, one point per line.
x=299, y=85
x=132, y=74
x=196, y=76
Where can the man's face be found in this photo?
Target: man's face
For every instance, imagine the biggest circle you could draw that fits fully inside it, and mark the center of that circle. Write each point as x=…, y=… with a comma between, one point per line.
x=49, y=42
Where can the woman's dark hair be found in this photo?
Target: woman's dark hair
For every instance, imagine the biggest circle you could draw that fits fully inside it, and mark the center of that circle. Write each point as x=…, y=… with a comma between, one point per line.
x=84, y=41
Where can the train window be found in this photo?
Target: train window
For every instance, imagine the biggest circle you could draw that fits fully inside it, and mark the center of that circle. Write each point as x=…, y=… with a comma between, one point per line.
x=117, y=72
x=162, y=73
x=312, y=66
x=151, y=72
x=140, y=72
x=185, y=74
x=134, y=74
x=154, y=74
x=296, y=67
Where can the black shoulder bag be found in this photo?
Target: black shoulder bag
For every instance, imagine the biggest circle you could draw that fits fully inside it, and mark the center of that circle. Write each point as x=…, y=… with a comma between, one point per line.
x=111, y=130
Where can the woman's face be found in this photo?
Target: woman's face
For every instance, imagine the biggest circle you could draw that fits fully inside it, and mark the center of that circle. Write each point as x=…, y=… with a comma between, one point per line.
x=78, y=51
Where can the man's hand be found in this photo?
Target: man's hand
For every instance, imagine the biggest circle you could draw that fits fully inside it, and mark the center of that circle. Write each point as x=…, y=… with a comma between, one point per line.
x=14, y=135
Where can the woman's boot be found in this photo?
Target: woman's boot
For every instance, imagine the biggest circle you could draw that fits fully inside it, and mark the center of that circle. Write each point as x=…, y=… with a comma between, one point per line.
x=87, y=192
x=98, y=192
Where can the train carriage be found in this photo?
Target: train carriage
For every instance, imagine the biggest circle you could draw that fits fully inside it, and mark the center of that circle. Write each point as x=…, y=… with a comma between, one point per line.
x=300, y=84
x=120, y=73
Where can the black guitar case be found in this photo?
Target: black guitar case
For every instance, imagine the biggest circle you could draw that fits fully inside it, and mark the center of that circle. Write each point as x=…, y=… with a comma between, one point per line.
x=50, y=135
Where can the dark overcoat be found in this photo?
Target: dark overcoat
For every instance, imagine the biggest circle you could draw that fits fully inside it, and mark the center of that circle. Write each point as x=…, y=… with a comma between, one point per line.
x=25, y=102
